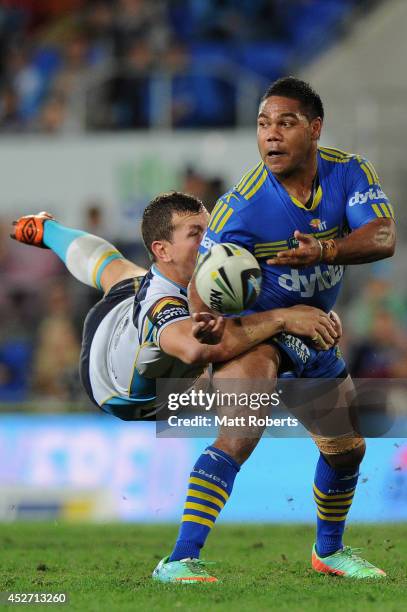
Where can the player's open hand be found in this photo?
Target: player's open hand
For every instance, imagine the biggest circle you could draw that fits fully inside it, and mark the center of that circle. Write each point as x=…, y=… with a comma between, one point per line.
x=308, y=252
x=207, y=328
x=312, y=323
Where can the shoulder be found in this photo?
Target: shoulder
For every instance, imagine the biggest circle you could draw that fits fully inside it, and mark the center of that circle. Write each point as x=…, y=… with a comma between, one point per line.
x=252, y=184
x=160, y=300
x=167, y=309
x=352, y=162
x=240, y=197
x=335, y=156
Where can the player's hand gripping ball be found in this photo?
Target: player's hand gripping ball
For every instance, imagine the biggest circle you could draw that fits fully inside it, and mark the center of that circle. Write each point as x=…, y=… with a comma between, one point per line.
x=228, y=279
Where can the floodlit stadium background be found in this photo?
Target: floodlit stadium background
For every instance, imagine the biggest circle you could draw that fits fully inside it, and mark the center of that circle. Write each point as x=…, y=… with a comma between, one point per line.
x=102, y=105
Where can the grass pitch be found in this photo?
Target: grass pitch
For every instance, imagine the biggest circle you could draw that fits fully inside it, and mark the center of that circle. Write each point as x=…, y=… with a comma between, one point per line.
x=262, y=567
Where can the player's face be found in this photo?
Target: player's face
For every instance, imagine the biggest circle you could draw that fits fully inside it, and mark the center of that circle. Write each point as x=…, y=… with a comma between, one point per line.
x=186, y=238
x=285, y=136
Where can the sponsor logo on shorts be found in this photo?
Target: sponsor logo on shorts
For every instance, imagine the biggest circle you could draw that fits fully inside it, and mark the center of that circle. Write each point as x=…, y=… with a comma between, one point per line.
x=307, y=284
x=369, y=196
x=297, y=345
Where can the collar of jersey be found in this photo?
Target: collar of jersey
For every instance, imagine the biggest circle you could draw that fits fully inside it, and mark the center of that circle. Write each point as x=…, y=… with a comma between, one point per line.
x=316, y=200
x=317, y=197
x=156, y=271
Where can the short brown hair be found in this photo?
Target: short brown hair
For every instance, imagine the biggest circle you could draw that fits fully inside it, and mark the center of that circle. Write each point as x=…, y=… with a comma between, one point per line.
x=157, y=216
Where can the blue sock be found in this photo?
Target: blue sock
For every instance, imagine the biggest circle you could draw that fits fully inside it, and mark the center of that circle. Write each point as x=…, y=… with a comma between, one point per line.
x=210, y=485
x=333, y=493
x=57, y=237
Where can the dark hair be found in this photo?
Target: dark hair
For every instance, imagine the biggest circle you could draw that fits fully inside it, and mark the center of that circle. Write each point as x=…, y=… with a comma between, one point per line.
x=290, y=87
x=157, y=216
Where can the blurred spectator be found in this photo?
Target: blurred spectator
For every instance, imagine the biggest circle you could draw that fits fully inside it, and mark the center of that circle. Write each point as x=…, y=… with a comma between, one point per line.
x=57, y=347
x=15, y=361
x=24, y=268
x=198, y=96
x=129, y=94
x=95, y=222
x=381, y=353
x=10, y=118
x=53, y=115
x=24, y=274
x=214, y=189
x=26, y=81
x=99, y=24
x=378, y=294
x=140, y=19
x=223, y=20
x=194, y=183
x=74, y=65
x=207, y=189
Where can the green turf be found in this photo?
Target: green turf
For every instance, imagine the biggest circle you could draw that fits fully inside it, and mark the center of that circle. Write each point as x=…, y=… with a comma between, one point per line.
x=262, y=567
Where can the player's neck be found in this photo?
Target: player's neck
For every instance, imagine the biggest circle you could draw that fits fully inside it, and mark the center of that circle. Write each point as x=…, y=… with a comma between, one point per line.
x=168, y=271
x=300, y=184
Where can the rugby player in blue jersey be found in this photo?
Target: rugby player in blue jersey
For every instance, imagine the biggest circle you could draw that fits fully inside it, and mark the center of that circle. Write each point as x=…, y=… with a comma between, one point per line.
x=304, y=211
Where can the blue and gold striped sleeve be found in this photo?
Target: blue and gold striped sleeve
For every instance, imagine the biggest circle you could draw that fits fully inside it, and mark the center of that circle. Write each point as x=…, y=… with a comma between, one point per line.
x=365, y=197
x=225, y=224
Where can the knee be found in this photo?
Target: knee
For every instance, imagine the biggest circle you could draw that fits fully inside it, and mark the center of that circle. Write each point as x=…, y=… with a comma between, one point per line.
x=239, y=449
x=348, y=459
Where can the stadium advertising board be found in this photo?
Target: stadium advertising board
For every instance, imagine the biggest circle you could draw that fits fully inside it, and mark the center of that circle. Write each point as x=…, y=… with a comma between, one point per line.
x=90, y=467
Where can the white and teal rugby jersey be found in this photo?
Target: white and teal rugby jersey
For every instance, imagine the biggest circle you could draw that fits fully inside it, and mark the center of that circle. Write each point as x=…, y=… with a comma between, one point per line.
x=121, y=355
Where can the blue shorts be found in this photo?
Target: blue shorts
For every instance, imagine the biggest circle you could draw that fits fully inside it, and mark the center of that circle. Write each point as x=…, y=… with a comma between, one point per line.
x=301, y=360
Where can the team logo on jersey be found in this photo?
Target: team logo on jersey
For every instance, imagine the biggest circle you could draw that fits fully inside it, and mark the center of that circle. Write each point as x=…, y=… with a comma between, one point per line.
x=317, y=224
x=167, y=309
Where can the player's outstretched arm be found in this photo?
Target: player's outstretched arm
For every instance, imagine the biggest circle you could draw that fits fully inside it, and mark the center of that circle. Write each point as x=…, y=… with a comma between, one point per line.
x=90, y=259
x=184, y=339
x=371, y=242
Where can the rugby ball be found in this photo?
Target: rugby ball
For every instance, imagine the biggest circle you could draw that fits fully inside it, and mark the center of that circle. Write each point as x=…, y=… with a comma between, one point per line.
x=228, y=279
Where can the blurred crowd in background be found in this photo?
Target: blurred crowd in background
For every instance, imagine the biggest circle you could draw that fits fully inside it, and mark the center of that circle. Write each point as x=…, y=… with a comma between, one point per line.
x=125, y=64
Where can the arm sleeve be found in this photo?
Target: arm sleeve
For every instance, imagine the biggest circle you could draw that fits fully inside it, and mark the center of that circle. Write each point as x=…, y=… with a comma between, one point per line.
x=365, y=199
x=226, y=224
x=165, y=311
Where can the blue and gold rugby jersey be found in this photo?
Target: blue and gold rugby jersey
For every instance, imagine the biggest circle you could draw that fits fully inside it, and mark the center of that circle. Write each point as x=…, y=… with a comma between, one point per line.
x=261, y=216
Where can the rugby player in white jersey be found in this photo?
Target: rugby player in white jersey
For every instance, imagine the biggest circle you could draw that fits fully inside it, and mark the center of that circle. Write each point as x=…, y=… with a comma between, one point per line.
x=142, y=329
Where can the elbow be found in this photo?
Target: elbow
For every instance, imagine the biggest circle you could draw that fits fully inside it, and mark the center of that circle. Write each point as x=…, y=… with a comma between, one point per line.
x=196, y=356
x=220, y=353
x=389, y=249
x=392, y=248
x=192, y=356
x=386, y=239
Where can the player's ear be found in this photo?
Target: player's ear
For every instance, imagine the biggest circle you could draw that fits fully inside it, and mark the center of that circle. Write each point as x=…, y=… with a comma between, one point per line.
x=316, y=127
x=160, y=250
